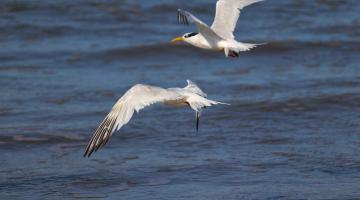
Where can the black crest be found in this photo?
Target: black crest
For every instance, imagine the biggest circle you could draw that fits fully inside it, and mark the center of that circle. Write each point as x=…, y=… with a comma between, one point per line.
x=190, y=35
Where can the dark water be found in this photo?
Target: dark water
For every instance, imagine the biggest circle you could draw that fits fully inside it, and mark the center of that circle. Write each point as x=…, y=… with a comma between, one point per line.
x=292, y=132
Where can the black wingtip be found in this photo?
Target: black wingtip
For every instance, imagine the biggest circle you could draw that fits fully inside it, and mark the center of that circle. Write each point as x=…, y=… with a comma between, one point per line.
x=178, y=16
x=186, y=20
x=87, y=153
x=182, y=18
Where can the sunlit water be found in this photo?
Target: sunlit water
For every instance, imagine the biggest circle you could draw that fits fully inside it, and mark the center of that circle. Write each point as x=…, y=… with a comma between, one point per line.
x=292, y=130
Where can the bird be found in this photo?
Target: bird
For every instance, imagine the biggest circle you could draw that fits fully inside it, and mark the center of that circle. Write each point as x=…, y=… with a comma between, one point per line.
x=140, y=96
x=220, y=36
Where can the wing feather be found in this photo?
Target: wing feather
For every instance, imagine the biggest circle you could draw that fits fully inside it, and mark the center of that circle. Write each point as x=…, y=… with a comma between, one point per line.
x=227, y=15
x=135, y=99
x=195, y=88
x=185, y=17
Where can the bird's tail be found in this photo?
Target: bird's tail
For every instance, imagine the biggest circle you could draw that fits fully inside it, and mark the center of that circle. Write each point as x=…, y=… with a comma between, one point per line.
x=248, y=46
x=236, y=48
x=198, y=103
x=218, y=103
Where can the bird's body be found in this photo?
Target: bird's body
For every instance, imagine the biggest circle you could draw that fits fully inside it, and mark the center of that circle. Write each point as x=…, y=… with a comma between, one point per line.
x=141, y=96
x=219, y=36
x=217, y=44
x=210, y=44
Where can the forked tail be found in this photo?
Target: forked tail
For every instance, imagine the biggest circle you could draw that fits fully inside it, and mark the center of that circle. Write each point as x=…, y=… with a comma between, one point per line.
x=238, y=47
x=198, y=106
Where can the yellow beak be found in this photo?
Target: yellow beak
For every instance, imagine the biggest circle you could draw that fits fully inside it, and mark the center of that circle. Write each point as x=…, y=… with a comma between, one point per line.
x=177, y=39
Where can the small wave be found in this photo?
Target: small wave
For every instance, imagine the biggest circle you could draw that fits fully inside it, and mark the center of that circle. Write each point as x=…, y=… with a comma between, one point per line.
x=352, y=30
x=20, y=140
x=21, y=68
x=301, y=104
x=270, y=47
x=163, y=8
x=17, y=6
x=4, y=111
x=291, y=45
x=59, y=101
x=155, y=50
x=274, y=141
x=31, y=32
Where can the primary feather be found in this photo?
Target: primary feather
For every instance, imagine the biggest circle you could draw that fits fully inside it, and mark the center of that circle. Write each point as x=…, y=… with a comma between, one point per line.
x=135, y=99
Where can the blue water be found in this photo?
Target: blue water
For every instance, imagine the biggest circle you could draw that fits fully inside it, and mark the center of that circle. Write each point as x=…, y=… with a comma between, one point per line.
x=292, y=130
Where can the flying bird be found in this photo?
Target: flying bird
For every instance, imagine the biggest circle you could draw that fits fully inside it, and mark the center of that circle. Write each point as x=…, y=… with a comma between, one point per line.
x=220, y=36
x=141, y=96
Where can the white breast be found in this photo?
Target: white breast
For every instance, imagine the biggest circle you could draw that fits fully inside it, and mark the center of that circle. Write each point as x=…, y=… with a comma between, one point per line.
x=201, y=42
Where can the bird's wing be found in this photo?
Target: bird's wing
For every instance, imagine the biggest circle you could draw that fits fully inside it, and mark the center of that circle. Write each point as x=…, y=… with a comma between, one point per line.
x=185, y=17
x=135, y=99
x=194, y=88
x=227, y=15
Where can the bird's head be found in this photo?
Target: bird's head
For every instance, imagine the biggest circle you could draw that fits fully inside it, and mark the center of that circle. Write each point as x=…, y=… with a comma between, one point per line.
x=185, y=38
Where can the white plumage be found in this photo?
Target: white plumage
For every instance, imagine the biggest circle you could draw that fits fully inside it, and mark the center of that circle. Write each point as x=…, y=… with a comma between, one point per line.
x=220, y=35
x=141, y=96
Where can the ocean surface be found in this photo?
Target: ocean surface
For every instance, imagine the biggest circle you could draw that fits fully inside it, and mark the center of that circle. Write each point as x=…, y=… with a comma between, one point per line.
x=292, y=130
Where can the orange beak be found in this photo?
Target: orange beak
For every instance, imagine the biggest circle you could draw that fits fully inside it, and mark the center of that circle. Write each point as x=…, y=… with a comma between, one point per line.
x=177, y=39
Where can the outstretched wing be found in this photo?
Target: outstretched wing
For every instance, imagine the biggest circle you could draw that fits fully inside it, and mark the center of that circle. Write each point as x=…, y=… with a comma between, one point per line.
x=227, y=15
x=194, y=88
x=185, y=17
x=135, y=99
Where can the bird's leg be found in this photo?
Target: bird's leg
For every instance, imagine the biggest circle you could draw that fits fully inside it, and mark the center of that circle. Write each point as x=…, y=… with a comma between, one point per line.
x=197, y=121
x=233, y=54
x=236, y=54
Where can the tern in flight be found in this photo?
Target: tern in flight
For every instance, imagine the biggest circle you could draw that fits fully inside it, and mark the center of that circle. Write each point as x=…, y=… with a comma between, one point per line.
x=220, y=35
x=141, y=96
